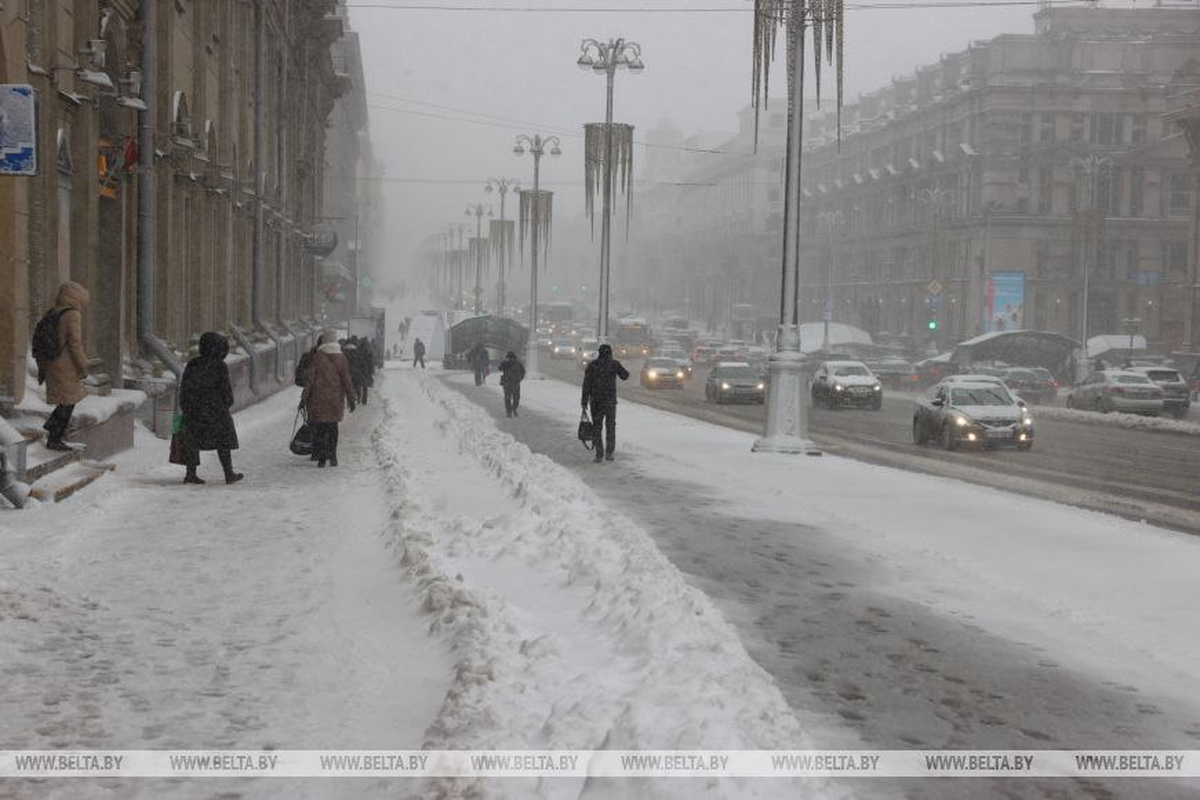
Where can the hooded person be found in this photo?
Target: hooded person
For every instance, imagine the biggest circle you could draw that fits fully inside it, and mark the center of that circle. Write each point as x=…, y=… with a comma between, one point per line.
x=205, y=401
x=65, y=374
x=327, y=392
x=600, y=392
x=512, y=372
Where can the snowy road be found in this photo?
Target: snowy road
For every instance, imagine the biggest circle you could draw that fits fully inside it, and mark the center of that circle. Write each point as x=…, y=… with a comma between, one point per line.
x=837, y=623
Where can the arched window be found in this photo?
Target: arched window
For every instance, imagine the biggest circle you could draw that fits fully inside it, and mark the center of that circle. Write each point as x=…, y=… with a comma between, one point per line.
x=181, y=119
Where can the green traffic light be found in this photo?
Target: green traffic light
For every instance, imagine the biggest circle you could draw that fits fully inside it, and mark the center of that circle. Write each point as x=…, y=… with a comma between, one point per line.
x=932, y=324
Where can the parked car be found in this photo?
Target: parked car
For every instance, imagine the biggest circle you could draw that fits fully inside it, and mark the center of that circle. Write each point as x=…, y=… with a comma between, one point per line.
x=1031, y=385
x=1107, y=390
x=661, y=373
x=839, y=384
x=734, y=381
x=957, y=413
x=1177, y=396
x=562, y=348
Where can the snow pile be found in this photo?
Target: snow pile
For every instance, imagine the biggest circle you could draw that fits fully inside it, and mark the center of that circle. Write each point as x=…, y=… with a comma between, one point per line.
x=627, y=656
x=1119, y=419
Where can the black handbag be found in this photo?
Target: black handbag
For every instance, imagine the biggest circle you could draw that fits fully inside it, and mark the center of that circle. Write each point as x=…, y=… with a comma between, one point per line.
x=302, y=437
x=587, y=430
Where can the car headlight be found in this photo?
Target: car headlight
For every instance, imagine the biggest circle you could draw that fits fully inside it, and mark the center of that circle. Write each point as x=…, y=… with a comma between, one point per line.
x=652, y=374
x=961, y=421
x=877, y=388
x=725, y=386
x=679, y=374
x=1027, y=421
x=837, y=387
x=761, y=386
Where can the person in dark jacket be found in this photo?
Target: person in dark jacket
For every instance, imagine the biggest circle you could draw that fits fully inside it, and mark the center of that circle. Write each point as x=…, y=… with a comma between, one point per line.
x=419, y=353
x=478, y=356
x=205, y=400
x=327, y=392
x=512, y=372
x=600, y=390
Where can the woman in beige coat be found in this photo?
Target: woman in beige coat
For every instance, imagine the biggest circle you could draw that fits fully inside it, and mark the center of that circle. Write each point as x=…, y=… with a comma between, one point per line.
x=65, y=374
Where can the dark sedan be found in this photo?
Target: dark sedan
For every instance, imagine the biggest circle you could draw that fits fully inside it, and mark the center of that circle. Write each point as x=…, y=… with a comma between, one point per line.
x=734, y=382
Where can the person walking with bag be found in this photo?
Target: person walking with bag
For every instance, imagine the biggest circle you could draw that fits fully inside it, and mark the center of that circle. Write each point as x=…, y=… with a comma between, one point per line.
x=327, y=392
x=512, y=372
x=600, y=390
x=418, y=353
x=205, y=400
x=64, y=373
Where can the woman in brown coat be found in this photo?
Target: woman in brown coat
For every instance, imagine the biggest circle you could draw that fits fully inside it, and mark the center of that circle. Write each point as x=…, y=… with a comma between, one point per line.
x=65, y=374
x=327, y=391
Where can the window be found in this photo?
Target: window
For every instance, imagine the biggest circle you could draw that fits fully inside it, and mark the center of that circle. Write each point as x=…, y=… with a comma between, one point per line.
x=1137, y=179
x=1174, y=259
x=1077, y=125
x=1179, y=195
x=1137, y=131
x=1107, y=129
x=1045, y=190
x=1046, y=134
x=1025, y=135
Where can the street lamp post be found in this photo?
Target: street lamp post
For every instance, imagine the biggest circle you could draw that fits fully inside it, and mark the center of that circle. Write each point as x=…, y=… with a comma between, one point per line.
x=607, y=57
x=501, y=185
x=831, y=221
x=478, y=210
x=1090, y=165
x=536, y=145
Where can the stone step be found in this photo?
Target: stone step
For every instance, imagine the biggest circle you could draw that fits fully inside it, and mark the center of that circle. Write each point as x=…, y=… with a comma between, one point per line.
x=63, y=482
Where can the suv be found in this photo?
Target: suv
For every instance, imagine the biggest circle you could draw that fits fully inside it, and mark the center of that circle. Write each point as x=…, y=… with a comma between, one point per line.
x=1176, y=395
x=836, y=384
x=1034, y=385
x=1107, y=390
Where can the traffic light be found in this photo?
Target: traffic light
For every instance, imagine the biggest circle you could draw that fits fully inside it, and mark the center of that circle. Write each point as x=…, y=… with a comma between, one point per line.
x=932, y=324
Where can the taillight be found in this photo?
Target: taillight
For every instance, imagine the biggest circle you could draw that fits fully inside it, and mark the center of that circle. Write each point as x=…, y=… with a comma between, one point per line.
x=1115, y=389
x=1053, y=384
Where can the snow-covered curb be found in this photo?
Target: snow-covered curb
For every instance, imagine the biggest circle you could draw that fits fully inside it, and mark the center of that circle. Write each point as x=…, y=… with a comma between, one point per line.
x=634, y=659
x=1118, y=419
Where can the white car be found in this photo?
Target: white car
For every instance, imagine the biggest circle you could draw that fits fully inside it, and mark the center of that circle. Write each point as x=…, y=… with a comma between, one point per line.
x=839, y=384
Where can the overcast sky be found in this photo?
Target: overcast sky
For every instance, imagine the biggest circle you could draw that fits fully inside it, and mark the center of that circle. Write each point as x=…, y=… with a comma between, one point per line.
x=451, y=83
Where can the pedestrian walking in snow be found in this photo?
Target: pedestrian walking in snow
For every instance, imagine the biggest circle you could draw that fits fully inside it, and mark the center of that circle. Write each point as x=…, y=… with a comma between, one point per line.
x=205, y=400
x=600, y=391
x=478, y=356
x=418, y=353
x=512, y=372
x=327, y=392
x=65, y=372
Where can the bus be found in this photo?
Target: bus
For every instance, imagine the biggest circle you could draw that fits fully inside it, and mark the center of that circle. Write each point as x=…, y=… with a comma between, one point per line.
x=558, y=315
x=632, y=337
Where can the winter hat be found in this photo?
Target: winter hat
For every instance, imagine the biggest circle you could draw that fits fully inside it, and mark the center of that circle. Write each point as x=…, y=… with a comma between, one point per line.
x=605, y=350
x=510, y=354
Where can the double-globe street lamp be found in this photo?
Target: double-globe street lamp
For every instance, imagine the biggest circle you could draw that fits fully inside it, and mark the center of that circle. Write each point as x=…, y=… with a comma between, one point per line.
x=501, y=185
x=538, y=214
x=478, y=210
x=607, y=58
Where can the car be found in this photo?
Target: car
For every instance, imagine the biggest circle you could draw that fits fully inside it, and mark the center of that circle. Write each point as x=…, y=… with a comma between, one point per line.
x=662, y=373
x=1177, y=398
x=562, y=348
x=839, y=384
x=680, y=356
x=957, y=413
x=734, y=381
x=1030, y=384
x=895, y=374
x=589, y=350
x=1107, y=390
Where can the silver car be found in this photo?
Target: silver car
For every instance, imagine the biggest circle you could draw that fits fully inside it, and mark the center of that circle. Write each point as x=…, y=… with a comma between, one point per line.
x=1108, y=390
x=1177, y=396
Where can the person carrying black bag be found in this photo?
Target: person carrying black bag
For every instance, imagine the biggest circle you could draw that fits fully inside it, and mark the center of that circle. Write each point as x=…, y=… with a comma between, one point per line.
x=512, y=372
x=600, y=390
x=327, y=393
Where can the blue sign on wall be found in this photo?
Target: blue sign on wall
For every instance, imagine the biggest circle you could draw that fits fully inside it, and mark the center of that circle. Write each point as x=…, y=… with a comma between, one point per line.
x=1006, y=301
x=18, y=129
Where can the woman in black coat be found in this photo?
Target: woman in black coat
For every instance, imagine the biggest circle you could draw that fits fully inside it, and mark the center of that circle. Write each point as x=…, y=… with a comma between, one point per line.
x=205, y=397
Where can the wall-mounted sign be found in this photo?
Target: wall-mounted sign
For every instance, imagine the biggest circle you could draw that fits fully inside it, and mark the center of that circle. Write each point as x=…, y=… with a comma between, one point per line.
x=18, y=129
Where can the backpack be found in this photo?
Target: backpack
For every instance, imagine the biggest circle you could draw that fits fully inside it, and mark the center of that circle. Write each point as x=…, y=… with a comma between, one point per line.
x=46, y=345
x=301, y=375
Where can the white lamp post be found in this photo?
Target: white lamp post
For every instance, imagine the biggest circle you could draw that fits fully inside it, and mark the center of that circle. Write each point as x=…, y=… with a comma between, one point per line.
x=536, y=146
x=478, y=210
x=501, y=185
x=606, y=58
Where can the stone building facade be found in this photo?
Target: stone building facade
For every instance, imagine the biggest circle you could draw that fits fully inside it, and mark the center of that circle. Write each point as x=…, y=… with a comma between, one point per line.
x=184, y=176
x=1035, y=158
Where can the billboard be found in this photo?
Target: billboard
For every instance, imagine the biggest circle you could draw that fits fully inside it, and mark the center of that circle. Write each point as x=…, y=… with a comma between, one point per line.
x=18, y=129
x=1006, y=301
